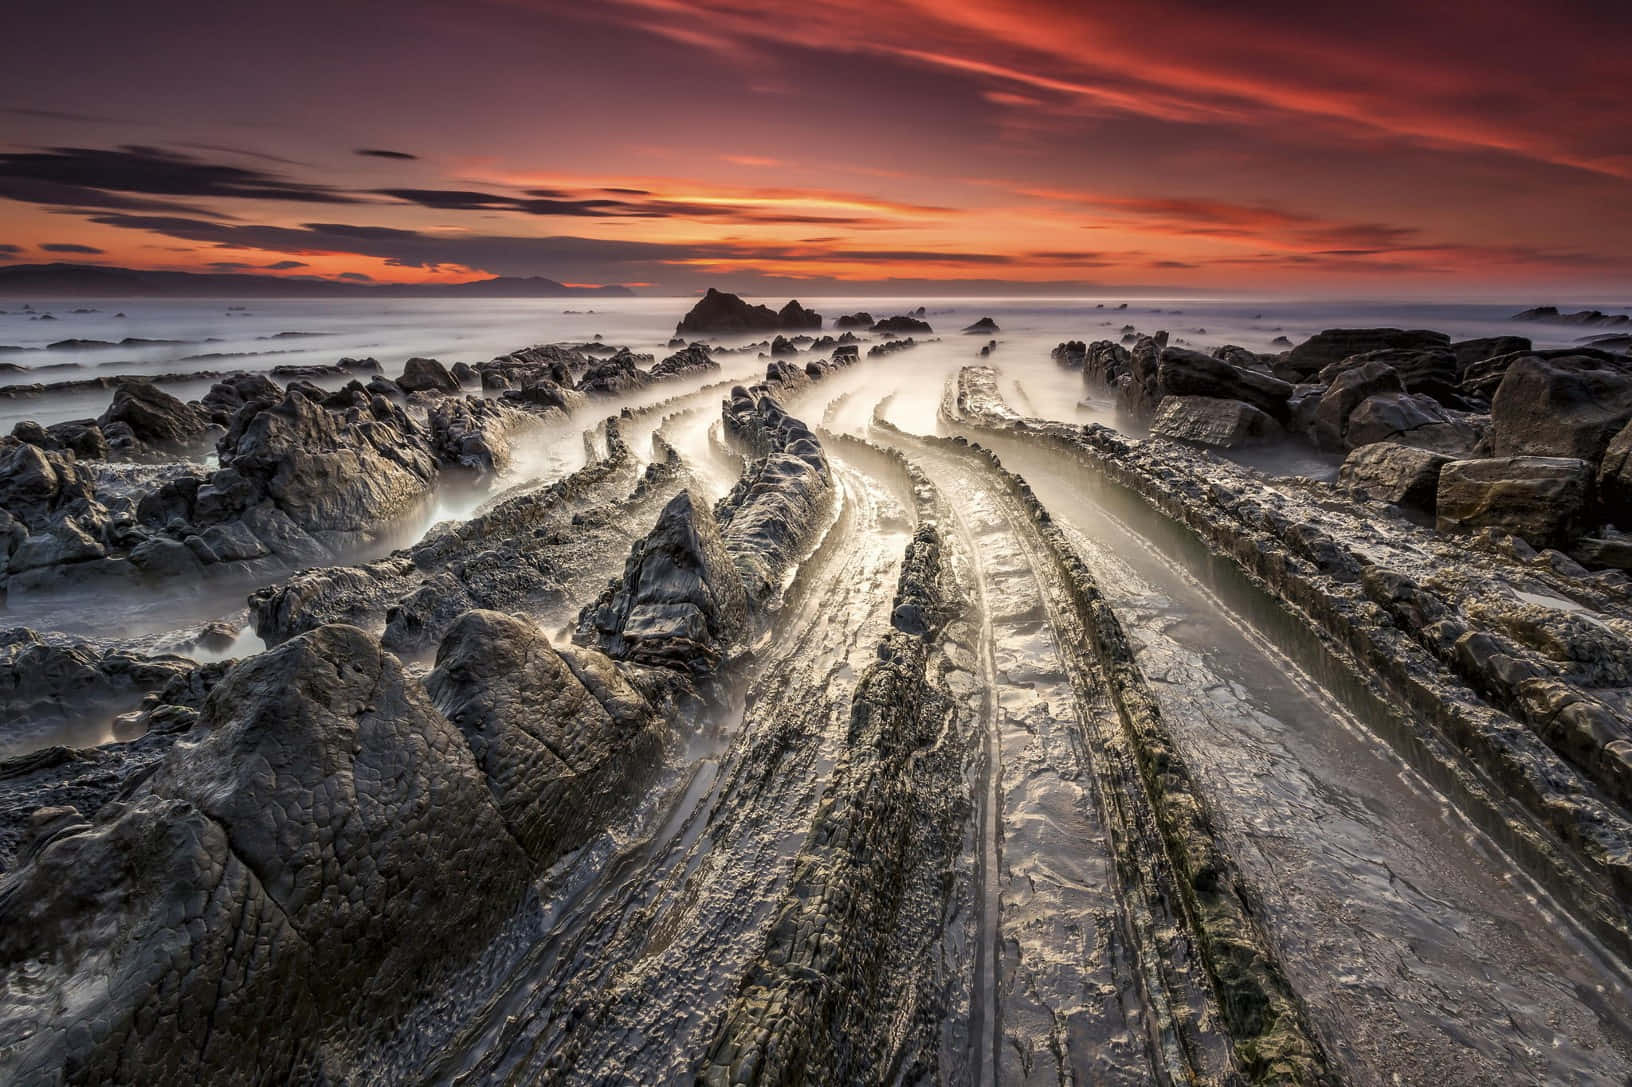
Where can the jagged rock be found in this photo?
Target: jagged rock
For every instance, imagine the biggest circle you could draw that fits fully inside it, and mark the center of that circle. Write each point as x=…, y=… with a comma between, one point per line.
x=1071, y=354
x=560, y=738
x=1351, y=388
x=35, y=483
x=1560, y=406
x=794, y=317
x=692, y=359
x=361, y=809
x=44, y=685
x=545, y=395
x=143, y=416
x=781, y=347
x=895, y=326
x=1336, y=344
x=1581, y=317
x=472, y=433
x=718, y=311
x=232, y=393
x=1542, y=500
x=1203, y=420
x=1395, y=473
x=81, y=437
x=618, y=374
x=464, y=373
x=329, y=471
x=680, y=603
x=421, y=375
x=859, y=319
x=1106, y=363
x=983, y=327
x=521, y=368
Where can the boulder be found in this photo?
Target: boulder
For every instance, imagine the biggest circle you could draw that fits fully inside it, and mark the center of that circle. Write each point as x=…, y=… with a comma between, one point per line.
x=1429, y=370
x=1560, y=406
x=782, y=347
x=421, y=375
x=1204, y=420
x=983, y=327
x=1192, y=374
x=1071, y=354
x=860, y=319
x=1351, y=388
x=1410, y=419
x=1395, y=473
x=1336, y=344
x=232, y=393
x=473, y=433
x=1542, y=500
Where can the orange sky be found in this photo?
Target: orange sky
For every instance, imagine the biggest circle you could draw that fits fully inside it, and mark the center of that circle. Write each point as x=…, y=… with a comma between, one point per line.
x=1050, y=146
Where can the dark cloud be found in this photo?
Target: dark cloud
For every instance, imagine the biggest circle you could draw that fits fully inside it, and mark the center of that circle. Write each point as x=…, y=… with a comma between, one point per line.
x=285, y=265
x=358, y=276
x=579, y=205
x=86, y=177
x=69, y=247
x=11, y=249
x=382, y=153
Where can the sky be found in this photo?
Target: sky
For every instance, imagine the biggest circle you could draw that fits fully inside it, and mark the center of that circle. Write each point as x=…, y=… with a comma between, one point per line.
x=1389, y=149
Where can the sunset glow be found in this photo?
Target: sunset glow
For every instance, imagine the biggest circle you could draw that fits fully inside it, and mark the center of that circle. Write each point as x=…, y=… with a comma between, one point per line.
x=961, y=146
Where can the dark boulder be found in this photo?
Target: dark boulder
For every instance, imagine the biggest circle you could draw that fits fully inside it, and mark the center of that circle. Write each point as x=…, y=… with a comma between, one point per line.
x=1400, y=474
x=618, y=374
x=1190, y=373
x=860, y=319
x=1561, y=406
x=1205, y=420
x=1615, y=478
x=983, y=327
x=1070, y=354
x=1411, y=419
x=1336, y=344
x=421, y=375
x=1351, y=388
x=1542, y=500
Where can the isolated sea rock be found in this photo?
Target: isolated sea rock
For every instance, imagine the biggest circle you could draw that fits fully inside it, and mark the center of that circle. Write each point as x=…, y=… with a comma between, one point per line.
x=896, y=326
x=1542, y=500
x=1336, y=344
x=859, y=319
x=718, y=311
x=983, y=327
x=232, y=393
x=422, y=375
x=144, y=417
x=1551, y=314
x=1560, y=406
x=1205, y=420
x=1390, y=472
x=560, y=739
x=797, y=318
x=1070, y=354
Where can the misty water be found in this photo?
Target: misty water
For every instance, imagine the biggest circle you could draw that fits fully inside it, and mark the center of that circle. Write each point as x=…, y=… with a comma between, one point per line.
x=1423, y=950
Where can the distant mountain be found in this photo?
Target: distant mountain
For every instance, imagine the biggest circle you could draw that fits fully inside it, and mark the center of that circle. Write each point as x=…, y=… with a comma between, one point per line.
x=76, y=280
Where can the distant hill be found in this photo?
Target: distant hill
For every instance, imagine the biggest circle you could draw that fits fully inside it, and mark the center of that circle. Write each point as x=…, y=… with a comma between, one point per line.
x=92, y=280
